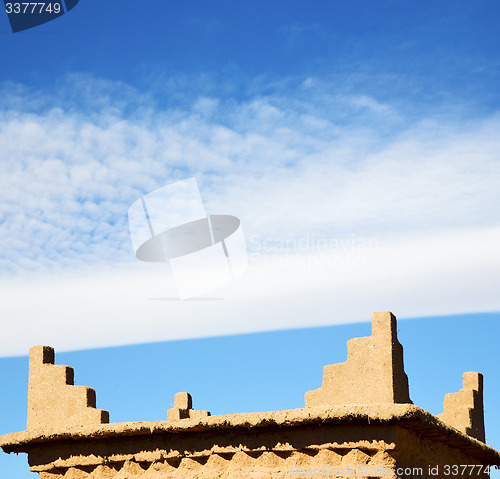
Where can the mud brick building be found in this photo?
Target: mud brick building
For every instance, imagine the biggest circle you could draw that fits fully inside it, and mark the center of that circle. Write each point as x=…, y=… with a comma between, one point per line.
x=361, y=423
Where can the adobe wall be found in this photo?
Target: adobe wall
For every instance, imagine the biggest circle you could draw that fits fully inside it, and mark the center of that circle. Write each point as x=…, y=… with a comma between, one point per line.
x=425, y=456
x=270, y=453
x=337, y=450
x=360, y=423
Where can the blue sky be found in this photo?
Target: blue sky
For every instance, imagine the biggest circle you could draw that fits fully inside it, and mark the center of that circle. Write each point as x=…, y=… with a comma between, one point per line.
x=357, y=142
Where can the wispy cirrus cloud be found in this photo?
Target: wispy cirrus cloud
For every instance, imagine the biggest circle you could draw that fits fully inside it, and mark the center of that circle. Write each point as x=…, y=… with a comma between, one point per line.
x=285, y=165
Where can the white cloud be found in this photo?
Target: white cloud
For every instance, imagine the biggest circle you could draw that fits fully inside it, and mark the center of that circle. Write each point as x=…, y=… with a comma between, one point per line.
x=424, y=275
x=335, y=166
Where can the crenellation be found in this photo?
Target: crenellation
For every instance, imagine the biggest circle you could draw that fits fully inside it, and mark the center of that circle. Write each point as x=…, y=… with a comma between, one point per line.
x=373, y=373
x=53, y=399
x=183, y=408
x=464, y=410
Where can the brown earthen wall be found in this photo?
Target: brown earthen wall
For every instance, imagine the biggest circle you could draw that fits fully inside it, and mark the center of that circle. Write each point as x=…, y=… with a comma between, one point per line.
x=371, y=450
x=240, y=454
x=414, y=451
x=359, y=424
